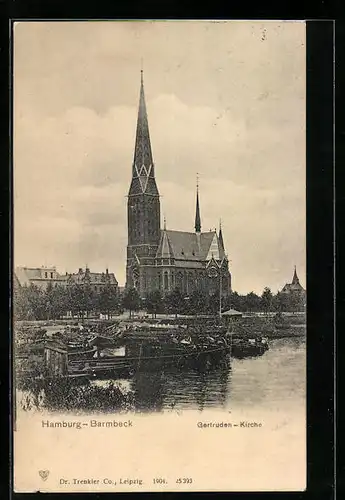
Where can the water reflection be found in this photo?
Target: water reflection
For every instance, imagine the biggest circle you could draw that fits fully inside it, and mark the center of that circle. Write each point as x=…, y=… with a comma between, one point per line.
x=275, y=379
x=174, y=389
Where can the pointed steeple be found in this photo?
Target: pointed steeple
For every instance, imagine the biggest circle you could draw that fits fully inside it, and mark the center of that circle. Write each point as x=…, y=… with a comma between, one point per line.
x=221, y=235
x=142, y=153
x=295, y=280
x=143, y=176
x=197, y=212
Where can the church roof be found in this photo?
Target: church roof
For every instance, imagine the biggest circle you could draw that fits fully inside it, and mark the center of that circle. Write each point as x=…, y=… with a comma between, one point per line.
x=187, y=246
x=165, y=249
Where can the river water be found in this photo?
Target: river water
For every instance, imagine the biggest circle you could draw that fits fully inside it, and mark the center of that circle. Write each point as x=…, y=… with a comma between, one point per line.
x=275, y=379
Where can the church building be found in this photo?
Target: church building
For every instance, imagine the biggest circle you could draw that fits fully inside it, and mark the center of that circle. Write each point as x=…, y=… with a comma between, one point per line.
x=294, y=288
x=159, y=258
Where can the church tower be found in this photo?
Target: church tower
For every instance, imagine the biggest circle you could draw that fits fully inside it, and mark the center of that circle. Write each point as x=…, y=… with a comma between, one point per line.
x=143, y=208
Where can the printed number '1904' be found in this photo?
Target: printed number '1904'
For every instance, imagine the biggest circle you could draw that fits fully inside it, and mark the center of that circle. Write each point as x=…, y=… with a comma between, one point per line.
x=159, y=480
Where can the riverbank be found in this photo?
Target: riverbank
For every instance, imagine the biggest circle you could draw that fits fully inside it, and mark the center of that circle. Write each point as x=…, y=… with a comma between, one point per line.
x=251, y=324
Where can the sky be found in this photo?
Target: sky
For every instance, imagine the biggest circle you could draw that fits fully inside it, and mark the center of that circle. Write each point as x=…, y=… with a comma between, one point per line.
x=225, y=100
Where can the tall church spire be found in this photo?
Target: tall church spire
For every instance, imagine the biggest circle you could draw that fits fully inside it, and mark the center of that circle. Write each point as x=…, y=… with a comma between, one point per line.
x=143, y=175
x=197, y=212
x=142, y=152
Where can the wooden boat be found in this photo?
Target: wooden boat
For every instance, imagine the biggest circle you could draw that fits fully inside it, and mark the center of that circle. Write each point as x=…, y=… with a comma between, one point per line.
x=250, y=347
x=123, y=357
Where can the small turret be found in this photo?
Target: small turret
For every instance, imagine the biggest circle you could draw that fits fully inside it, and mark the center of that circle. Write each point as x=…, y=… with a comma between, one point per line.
x=295, y=280
x=221, y=241
x=197, y=211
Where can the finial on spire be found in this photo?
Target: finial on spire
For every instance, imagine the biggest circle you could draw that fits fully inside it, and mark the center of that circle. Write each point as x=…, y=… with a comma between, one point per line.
x=142, y=71
x=197, y=181
x=165, y=222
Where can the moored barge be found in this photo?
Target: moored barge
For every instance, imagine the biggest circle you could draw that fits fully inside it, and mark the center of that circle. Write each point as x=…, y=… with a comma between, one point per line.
x=135, y=350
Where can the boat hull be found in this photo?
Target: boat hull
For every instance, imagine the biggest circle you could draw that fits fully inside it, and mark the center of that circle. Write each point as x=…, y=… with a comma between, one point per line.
x=127, y=366
x=247, y=351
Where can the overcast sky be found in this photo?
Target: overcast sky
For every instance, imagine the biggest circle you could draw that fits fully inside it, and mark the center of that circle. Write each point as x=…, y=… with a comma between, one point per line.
x=225, y=99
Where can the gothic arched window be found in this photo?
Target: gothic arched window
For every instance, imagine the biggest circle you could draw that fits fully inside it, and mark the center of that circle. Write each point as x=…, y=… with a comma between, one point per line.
x=185, y=284
x=166, y=280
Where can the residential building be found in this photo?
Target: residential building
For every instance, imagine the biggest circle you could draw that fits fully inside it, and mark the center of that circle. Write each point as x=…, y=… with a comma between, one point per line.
x=40, y=276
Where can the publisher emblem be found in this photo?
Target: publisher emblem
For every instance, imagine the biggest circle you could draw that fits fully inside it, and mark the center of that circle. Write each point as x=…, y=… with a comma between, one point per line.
x=44, y=474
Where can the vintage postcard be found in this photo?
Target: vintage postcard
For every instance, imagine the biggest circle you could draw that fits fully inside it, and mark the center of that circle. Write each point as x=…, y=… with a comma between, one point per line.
x=159, y=274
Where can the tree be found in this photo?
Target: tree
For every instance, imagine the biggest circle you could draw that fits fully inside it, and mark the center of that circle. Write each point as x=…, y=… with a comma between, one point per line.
x=280, y=302
x=237, y=301
x=154, y=302
x=56, y=301
x=251, y=302
x=89, y=297
x=296, y=302
x=266, y=300
x=49, y=300
x=60, y=301
x=213, y=303
x=21, y=305
x=131, y=300
x=107, y=300
x=37, y=302
x=76, y=299
x=197, y=302
x=174, y=302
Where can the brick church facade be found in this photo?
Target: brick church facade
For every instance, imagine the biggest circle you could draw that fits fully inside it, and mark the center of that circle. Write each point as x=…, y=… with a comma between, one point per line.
x=162, y=259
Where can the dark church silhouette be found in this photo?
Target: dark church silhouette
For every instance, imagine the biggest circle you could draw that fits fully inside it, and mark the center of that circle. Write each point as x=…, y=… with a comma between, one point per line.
x=162, y=259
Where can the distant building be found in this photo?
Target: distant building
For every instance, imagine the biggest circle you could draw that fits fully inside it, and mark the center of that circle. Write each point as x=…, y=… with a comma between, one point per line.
x=162, y=259
x=39, y=276
x=294, y=289
x=97, y=281
x=43, y=276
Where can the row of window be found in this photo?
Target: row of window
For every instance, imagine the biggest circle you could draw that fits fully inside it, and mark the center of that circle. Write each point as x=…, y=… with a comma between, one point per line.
x=185, y=281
